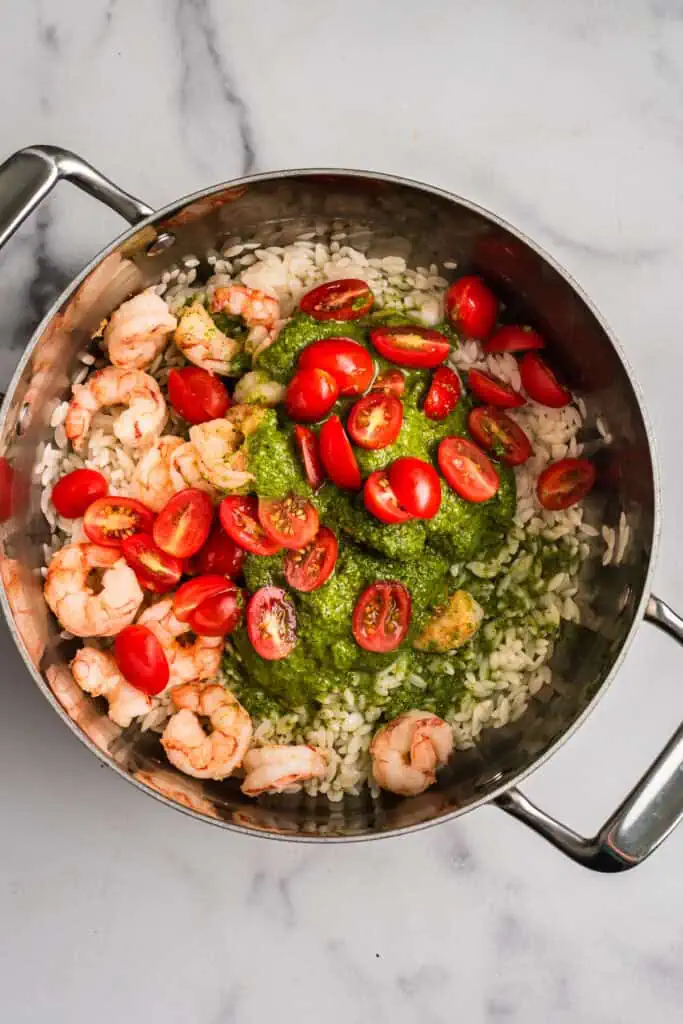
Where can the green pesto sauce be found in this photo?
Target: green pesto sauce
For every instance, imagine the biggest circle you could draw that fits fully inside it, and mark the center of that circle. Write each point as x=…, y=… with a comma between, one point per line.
x=273, y=460
x=280, y=359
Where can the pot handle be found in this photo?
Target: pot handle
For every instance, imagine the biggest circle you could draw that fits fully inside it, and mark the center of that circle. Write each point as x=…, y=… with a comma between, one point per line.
x=29, y=175
x=649, y=813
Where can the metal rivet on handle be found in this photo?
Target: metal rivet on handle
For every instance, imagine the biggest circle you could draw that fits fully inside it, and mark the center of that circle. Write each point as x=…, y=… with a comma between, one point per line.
x=164, y=240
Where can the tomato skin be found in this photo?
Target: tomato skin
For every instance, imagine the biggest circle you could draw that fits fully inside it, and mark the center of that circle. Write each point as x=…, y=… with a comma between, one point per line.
x=239, y=518
x=493, y=429
x=347, y=299
x=391, y=382
x=271, y=623
x=307, y=444
x=292, y=522
x=72, y=494
x=380, y=500
x=197, y=395
x=467, y=469
x=182, y=526
x=337, y=455
x=382, y=615
x=416, y=486
x=220, y=555
x=141, y=659
x=309, y=568
x=310, y=395
x=514, y=338
x=565, y=483
x=541, y=384
x=471, y=307
x=443, y=395
x=108, y=521
x=6, y=489
x=348, y=362
x=155, y=570
x=218, y=615
x=416, y=347
x=375, y=421
x=493, y=391
x=190, y=595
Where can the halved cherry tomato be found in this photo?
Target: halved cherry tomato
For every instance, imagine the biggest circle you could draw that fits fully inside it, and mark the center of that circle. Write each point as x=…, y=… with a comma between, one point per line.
x=514, y=338
x=182, y=526
x=271, y=623
x=471, y=307
x=416, y=486
x=541, y=384
x=239, y=519
x=74, y=492
x=155, y=570
x=190, y=595
x=495, y=430
x=292, y=522
x=310, y=395
x=197, y=395
x=493, y=391
x=309, y=568
x=375, y=421
x=411, y=345
x=381, y=618
x=443, y=395
x=391, y=382
x=109, y=521
x=565, y=483
x=337, y=455
x=338, y=300
x=218, y=615
x=467, y=469
x=307, y=443
x=349, y=363
x=220, y=555
x=141, y=659
x=381, y=501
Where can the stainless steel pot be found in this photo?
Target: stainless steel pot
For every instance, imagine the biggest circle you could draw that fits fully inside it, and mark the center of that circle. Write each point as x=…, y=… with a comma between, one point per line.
x=383, y=215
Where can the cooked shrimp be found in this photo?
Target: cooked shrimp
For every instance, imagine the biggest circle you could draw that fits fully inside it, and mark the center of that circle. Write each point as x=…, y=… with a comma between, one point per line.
x=139, y=424
x=152, y=482
x=274, y=767
x=452, y=625
x=75, y=603
x=97, y=673
x=203, y=343
x=138, y=331
x=222, y=449
x=187, y=663
x=187, y=745
x=259, y=311
x=407, y=751
x=186, y=471
x=257, y=388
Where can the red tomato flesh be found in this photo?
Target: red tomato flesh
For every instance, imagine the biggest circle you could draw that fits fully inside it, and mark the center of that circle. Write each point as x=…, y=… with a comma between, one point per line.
x=337, y=455
x=141, y=659
x=382, y=615
x=310, y=395
x=541, y=384
x=495, y=430
x=514, y=338
x=190, y=595
x=155, y=570
x=380, y=500
x=348, y=362
x=416, y=486
x=292, y=522
x=565, y=483
x=239, y=519
x=338, y=300
x=220, y=555
x=307, y=444
x=77, y=490
x=182, y=526
x=443, y=395
x=467, y=469
x=271, y=623
x=197, y=395
x=218, y=615
x=493, y=391
x=309, y=568
x=109, y=521
x=471, y=307
x=416, y=346
x=375, y=421
x=391, y=382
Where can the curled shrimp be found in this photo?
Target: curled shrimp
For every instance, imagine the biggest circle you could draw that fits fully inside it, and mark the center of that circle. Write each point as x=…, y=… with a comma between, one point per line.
x=137, y=425
x=274, y=767
x=195, y=661
x=206, y=756
x=186, y=470
x=203, y=343
x=97, y=673
x=407, y=751
x=222, y=449
x=138, y=331
x=451, y=625
x=75, y=603
x=153, y=483
x=259, y=311
x=256, y=388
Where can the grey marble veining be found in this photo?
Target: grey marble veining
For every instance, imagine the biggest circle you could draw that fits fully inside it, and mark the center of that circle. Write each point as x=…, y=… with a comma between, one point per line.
x=568, y=121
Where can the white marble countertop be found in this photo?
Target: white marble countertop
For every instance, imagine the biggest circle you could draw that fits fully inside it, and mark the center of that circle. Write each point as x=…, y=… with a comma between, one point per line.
x=569, y=123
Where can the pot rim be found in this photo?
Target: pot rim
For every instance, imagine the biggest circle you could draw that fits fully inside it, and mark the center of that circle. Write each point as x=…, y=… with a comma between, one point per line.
x=638, y=613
